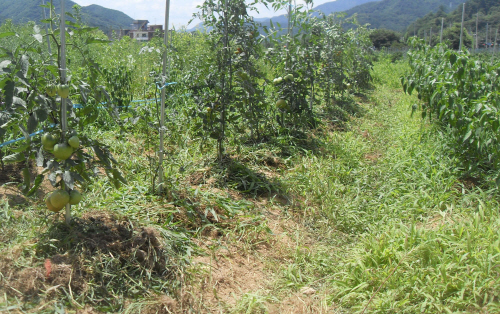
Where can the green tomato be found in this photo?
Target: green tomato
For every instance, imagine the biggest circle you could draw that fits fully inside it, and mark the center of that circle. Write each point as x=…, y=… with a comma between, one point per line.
x=289, y=77
x=51, y=90
x=48, y=148
x=49, y=140
x=75, y=197
x=74, y=142
x=51, y=207
x=59, y=199
x=281, y=104
x=62, y=151
x=63, y=90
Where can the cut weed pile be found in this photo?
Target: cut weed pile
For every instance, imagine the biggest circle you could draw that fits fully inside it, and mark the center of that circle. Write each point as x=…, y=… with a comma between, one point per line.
x=100, y=255
x=369, y=213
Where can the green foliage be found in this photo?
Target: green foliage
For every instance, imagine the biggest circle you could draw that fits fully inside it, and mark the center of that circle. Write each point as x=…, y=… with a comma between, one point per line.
x=459, y=92
x=25, y=73
x=414, y=237
x=427, y=270
x=232, y=40
x=317, y=58
x=342, y=50
x=119, y=84
x=384, y=38
x=489, y=14
x=452, y=37
x=331, y=7
x=380, y=204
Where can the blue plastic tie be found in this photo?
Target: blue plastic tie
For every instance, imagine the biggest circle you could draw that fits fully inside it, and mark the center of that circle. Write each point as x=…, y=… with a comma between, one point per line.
x=23, y=138
x=80, y=106
x=166, y=84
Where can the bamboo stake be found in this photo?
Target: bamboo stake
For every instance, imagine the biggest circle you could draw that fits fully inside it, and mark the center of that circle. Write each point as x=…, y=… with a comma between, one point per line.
x=47, y=31
x=494, y=46
x=462, y=29
x=226, y=58
x=163, y=96
x=473, y=43
x=496, y=38
x=477, y=39
x=442, y=26
x=64, y=109
x=289, y=16
x=486, y=38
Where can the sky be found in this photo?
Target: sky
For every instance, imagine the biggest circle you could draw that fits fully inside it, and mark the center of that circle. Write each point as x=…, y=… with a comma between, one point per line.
x=181, y=11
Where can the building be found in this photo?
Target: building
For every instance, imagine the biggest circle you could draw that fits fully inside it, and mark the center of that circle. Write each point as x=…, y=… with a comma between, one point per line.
x=141, y=31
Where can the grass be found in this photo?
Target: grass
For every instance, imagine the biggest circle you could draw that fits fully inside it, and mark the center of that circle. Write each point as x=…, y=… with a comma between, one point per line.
x=369, y=211
x=398, y=230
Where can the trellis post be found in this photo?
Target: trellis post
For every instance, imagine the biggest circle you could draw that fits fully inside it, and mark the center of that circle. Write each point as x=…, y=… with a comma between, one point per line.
x=163, y=96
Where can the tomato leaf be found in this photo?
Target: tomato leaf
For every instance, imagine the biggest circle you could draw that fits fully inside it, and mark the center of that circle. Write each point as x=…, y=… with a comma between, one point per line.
x=69, y=179
x=17, y=157
x=39, y=158
x=38, y=180
x=32, y=123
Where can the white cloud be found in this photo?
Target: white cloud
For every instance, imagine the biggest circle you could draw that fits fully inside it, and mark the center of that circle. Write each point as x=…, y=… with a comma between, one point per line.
x=181, y=11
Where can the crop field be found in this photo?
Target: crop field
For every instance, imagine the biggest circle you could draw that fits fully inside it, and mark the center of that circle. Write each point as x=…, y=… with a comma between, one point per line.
x=245, y=170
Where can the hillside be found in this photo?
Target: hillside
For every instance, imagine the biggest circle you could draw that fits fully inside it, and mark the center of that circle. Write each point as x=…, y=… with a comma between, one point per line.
x=326, y=8
x=340, y=5
x=390, y=14
x=96, y=15
x=398, y=14
x=489, y=16
x=22, y=11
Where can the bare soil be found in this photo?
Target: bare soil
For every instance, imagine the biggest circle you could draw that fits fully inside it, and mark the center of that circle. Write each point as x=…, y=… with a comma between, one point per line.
x=11, y=178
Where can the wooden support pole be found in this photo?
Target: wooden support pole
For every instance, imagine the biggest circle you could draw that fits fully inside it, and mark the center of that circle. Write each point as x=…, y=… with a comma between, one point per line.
x=442, y=26
x=64, y=109
x=161, y=151
x=462, y=28
x=477, y=34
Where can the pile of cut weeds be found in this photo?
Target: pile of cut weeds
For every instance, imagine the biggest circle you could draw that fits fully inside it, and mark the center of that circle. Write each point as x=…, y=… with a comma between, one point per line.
x=97, y=260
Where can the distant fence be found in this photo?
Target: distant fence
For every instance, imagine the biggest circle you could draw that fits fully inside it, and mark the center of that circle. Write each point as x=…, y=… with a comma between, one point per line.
x=404, y=50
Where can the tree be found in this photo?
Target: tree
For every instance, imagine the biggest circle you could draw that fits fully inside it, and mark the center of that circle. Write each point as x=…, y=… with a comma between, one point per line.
x=383, y=38
x=452, y=37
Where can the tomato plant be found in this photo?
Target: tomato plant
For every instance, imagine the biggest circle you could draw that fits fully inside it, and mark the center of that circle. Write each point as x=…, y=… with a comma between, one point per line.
x=345, y=57
x=293, y=60
x=232, y=42
x=28, y=78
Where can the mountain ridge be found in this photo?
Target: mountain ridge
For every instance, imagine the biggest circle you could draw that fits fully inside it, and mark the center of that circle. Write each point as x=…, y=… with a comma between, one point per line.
x=326, y=8
x=397, y=15
x=340, y=5
x=23, y=11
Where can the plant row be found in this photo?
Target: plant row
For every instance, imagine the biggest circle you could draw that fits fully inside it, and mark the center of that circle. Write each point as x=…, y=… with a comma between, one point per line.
x=235, y=82
x=460, y=92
